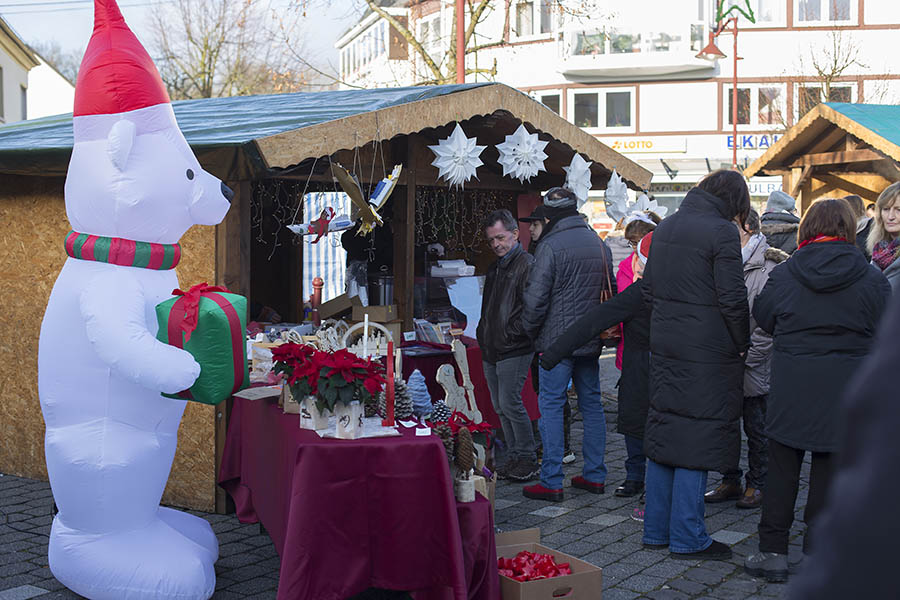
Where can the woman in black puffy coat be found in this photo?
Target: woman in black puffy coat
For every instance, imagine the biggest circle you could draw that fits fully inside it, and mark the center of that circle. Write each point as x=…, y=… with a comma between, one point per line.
x=822, y=307
x=699, y=331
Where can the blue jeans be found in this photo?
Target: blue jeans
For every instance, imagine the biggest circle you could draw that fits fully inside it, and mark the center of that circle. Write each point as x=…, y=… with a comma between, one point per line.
x=585, y=372
x=636, y=463
x=674, y=513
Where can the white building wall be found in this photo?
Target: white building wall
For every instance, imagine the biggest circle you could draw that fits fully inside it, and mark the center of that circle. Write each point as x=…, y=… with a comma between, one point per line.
x=49, y=93
x=15, y=78
x=695, y=107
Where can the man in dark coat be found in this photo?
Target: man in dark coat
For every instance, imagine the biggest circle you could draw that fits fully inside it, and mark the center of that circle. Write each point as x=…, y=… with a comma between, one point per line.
x=700, y=328
x=627, y=307
x=822, y=307
x=780, y=222
x=571, y=270
x=854, y=550
x=505, y=348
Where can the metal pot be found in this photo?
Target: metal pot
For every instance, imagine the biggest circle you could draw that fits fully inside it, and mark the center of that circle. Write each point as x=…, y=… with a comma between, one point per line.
x=381, y=289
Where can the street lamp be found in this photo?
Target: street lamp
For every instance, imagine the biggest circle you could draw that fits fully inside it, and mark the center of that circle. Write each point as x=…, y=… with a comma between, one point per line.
x=712, y=52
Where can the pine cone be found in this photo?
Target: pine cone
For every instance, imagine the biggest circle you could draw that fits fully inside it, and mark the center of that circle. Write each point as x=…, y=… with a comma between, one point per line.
x=381, y=405
x=465, y=452
x=373, y=408
x=403, y=404
x=441, y=412
x=444, y=432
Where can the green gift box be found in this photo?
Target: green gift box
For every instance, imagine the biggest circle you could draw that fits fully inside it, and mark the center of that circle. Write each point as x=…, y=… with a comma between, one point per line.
x=209, y=322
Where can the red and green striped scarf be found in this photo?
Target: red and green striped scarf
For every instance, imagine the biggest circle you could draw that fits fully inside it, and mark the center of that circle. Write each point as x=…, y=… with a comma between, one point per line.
x=119, y=251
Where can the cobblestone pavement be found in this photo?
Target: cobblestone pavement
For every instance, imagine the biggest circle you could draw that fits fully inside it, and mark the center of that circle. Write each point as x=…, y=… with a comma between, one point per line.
x=598, y=529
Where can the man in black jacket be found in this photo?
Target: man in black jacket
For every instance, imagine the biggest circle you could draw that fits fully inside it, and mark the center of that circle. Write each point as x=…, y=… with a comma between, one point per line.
x=572, y=269
x=505, y=348
x=780, y=222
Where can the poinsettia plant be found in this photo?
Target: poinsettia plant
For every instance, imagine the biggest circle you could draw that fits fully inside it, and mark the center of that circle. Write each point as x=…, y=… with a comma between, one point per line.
x=331, y=377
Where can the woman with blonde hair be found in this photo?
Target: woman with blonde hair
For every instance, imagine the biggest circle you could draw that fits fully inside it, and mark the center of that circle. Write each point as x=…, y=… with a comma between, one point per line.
x=884, y=236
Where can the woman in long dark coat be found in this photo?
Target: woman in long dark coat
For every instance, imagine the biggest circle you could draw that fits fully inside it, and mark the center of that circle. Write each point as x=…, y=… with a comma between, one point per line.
x=822, y=307
x=700, y=328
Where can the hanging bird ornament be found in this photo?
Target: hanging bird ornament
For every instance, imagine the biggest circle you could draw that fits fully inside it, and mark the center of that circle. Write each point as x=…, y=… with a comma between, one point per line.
x=325, y=224
x=522, y=154
x=456, y=157
x=367, y=211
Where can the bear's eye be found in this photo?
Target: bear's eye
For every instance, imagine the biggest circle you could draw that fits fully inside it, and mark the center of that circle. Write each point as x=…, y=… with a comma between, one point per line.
x=190, y=174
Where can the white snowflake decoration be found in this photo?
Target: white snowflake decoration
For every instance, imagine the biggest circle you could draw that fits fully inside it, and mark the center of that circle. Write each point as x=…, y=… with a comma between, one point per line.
x=621, y=210
x=457, y=157
x=578, y=178
x=616, y=197
x=522, y=154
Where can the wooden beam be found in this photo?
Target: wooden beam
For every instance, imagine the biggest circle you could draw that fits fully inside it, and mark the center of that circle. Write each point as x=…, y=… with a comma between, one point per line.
x=844, y=184
x=798, y=180
x=836, y=158
x=827, y=141
x=403, y=228
x=232, y=271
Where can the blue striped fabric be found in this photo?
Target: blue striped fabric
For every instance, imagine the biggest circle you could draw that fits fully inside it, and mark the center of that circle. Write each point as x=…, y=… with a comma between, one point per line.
x=327, y=259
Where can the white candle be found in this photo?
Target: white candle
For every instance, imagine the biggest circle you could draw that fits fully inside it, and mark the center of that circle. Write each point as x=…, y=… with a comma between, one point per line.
x=366, y=336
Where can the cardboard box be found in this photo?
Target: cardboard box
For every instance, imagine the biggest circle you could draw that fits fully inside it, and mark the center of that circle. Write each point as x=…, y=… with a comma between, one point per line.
x=585, y=582
x=379, y=314
x=337, y=306
x=486, y=487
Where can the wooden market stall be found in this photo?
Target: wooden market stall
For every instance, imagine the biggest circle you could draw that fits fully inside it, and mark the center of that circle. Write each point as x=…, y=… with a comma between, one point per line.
x=836, y=149
x=271, y=150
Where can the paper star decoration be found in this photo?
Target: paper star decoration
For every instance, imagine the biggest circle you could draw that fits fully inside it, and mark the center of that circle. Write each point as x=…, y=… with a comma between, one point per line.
x=578, y=178
x=522, y=154
x=616, y=197
x=645, y=204
x=457, y=157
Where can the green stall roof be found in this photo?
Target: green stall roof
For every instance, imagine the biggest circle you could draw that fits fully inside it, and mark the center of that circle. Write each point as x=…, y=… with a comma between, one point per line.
x=42, y=146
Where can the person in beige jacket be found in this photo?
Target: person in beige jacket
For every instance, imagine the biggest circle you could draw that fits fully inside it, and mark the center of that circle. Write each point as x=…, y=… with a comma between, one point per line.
x=759, y=260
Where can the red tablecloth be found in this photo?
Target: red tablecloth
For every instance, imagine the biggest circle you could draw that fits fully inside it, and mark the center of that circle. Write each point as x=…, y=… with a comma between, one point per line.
x=346, y=515
x=428, y=365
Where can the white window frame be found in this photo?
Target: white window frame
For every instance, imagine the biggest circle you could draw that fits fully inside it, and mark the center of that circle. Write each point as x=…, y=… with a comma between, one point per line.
x=854, y=93
x=823, y=10
x=427, y=20
x=601, y=108
x=557, y=92
x=745, y=24
x=754, y=106
x=535, y=21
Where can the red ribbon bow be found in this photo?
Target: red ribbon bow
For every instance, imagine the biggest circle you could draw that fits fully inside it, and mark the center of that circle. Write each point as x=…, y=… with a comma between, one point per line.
x=191, y=305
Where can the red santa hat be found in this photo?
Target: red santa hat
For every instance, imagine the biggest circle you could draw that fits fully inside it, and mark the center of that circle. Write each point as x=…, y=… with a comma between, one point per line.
x=643, y=248
x=116, y=74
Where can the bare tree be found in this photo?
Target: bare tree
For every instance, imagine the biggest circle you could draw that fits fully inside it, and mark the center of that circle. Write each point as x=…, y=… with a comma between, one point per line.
x=209, y=48
x=66, y=62
x=829, y=62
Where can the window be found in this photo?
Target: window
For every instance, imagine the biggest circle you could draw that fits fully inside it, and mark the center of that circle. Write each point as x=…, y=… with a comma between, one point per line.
x=610, y=109
x=24, y=102
x=2, y=110
x=768, y=13
x=813, y=12
x=551, y=101
x=429, y=30
x=535, y=17
x=758, y=105
x=809, y=96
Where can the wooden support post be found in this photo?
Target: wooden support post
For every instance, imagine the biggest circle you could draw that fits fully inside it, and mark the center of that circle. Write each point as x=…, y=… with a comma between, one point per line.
x=404, y=237
x=232, y=271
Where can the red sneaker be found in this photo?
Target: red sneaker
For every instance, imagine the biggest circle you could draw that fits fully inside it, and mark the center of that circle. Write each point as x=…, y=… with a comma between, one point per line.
x=539, y=492
x=583, y=484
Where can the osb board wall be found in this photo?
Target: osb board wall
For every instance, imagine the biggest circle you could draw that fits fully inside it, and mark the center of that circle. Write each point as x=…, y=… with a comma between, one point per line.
x=33, y=225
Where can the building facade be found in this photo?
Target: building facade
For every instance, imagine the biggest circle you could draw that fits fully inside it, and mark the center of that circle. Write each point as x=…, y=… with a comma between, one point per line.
x=628, y=71
x=16, y=60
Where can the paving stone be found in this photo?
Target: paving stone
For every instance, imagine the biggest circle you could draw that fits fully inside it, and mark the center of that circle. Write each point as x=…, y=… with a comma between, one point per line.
x=645, y=558
x=692, y=588
x=667, y=594
x=551, y=511
x=667, y=568
x=503, y=503
x=643, y=583
x=252, y=586
x=705, y=576
x=607, y=520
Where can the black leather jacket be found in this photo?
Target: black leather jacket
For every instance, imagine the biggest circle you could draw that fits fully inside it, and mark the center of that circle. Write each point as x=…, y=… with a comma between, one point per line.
x=500, y=333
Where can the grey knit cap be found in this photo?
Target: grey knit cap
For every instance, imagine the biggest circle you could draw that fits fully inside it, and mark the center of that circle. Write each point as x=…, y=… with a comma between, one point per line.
x=779, y=201
x=560, y=198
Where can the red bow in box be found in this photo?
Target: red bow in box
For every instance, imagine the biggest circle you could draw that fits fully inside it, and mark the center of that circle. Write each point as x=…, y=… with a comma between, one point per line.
x=192, y=305
x=529, y=566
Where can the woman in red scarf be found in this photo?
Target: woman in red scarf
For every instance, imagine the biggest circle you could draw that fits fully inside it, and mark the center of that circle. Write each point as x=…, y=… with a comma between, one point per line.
x=822, y=307
x=884, y=239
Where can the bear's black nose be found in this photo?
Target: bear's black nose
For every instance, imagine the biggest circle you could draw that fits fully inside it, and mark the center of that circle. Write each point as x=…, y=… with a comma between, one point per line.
x=227, y=192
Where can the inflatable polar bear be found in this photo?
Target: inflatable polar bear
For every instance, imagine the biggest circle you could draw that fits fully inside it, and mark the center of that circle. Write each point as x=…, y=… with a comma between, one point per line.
x=133, y=188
